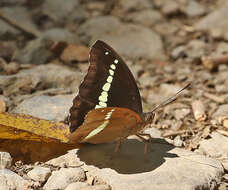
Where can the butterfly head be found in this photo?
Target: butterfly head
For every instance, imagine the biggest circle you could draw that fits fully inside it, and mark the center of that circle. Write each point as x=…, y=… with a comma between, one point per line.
x=148, y=117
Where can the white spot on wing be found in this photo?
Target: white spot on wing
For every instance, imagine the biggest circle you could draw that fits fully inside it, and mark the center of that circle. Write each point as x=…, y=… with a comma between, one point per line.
x=116, y=61
x=104, y=94
x=97, y=130
x=106, y=86
x=106, y=53
x=98, y=106
x=107, y=117
x=102, y=104
x=111, y=72
x=103, y=98
x=109, y=79
x=113, y=66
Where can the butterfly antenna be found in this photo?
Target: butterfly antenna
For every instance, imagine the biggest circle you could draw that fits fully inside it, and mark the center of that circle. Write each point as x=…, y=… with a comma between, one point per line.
x=170, y=99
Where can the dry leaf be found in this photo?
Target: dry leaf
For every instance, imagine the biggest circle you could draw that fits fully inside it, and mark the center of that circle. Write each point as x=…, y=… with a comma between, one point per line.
x=25, y=127
x=75, y=52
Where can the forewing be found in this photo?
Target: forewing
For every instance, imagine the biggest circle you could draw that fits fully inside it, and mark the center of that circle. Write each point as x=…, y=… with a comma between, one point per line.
x=108, y=83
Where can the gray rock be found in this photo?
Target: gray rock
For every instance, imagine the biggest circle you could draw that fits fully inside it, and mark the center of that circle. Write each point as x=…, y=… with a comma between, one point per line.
x=195, y=49
x=10, y=180
x=5, y=160
x=180, y=114
x=221, y=111
x=163, y=93
x=166, y=165
x=58, y=10
x=76, y=186
x=215, y=20
x=46, y=107
x=96, y=187
x=132, y=5
x=146, y=17
x=62, y=178
x=177, y=141
x=57, y=77
x=215, y=147
x=21, y=16
x=37, y=51
x=40, y=174
x=194, y=8
x=67, y=160
x=144, y=43
x=60, y=34
x=7, y=30
x=170, y=7
x=177, y=52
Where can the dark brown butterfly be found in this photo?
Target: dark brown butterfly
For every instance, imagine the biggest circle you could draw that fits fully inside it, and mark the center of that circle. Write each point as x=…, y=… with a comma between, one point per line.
x=108, y=106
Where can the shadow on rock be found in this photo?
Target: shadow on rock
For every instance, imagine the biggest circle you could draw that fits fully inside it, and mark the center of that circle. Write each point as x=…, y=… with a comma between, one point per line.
x=31, y=151
x=130, y=159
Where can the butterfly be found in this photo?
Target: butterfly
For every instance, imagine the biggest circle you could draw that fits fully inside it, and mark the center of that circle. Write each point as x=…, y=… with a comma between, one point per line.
x=108, y=106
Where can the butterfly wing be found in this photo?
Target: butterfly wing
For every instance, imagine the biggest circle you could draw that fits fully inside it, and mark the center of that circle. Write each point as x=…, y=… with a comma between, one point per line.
x=105, y=125
x=108, y=83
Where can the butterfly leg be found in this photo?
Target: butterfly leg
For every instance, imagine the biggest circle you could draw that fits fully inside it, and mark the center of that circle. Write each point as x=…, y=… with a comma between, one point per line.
x=145, y=140
x=118, y=145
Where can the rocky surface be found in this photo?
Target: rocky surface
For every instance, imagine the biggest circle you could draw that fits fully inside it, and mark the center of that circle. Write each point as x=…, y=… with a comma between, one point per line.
x=166, y=44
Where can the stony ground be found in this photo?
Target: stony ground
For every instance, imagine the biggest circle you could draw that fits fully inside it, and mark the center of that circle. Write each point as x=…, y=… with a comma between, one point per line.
x=44, y=49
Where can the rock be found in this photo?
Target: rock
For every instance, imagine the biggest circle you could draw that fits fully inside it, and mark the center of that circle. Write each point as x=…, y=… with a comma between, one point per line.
x=40, y=174
x=46, y=107
x=154, y=132
x=67, y=160
x=193, y=9
x=146, y=17
x=144, y=43
x=177, y=141
x=215, y=20
x=21, y=16
x=133, y=5
x=96, y=187
x=195, y=49
x=221, y=49
x=180, y=114
x=216, y=147
x=221, y=111
x=170, y=8
x=10, y=180
x=178, y=52
x=28, y=80
x=35, y=52
x=58, y=10
x=164, y=92
x=5, y=160
x=76, y=186
x=166, y=165
x=38, y=51
x=8, y=31
x=60, y=34
x=7, y=48
x=62, y=178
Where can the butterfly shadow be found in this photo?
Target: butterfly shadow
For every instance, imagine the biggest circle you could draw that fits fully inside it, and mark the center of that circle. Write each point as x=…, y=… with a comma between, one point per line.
x=130, y=159
x=32, y=151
